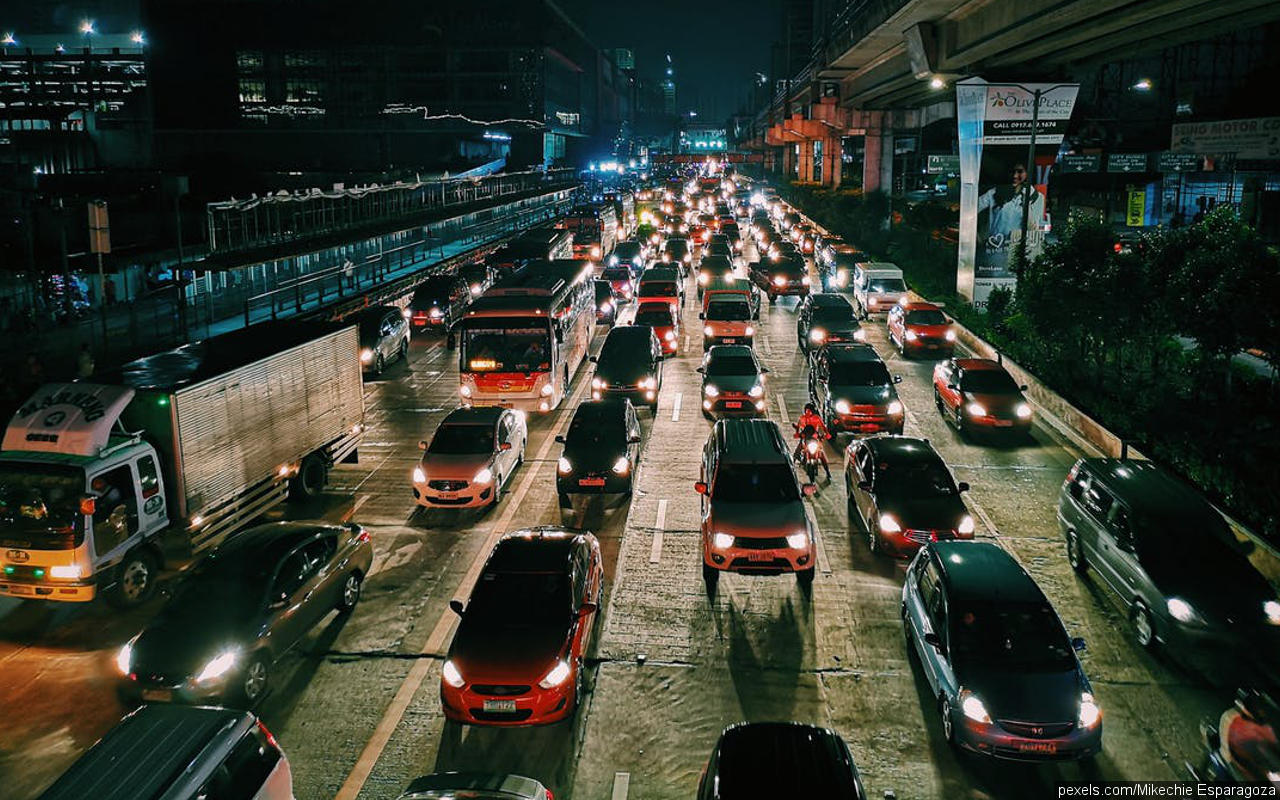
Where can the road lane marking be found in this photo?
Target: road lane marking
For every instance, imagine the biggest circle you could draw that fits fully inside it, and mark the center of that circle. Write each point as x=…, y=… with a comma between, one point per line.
x=982, y=513
x=443, y=630
x=824, y=563
x=655, y=553
x=621, y=785
x=782, y=409
x=361, y=500
x=675, y=407
x=764, y=345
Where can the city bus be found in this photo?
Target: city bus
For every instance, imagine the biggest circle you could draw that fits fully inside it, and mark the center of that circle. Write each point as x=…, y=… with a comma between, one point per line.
x=536, y=244
x=624, y=206
x=594, y=229
x=522, y=341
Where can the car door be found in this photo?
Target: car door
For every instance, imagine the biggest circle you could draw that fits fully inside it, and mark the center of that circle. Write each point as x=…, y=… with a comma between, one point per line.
x=633, y=433
x=921, y=617
x=328, y=581
x=865, y=498
x=1131, y=578
x=1097, y=501
x=286, y=616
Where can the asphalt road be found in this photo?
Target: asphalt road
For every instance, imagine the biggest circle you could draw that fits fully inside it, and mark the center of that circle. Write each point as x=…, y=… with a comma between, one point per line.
x=357, y=709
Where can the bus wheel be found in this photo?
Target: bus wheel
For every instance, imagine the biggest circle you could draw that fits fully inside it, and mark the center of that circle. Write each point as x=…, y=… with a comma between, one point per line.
x=135, y=579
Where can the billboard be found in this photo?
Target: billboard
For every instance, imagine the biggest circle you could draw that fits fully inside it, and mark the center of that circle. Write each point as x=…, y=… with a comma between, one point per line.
x=1001, y=194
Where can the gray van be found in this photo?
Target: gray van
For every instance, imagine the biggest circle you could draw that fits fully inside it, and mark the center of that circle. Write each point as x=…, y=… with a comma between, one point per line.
x=1173, y=560
x=169, y=752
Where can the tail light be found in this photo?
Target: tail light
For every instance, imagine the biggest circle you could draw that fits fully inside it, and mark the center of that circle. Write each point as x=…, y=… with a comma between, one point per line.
x=362, y=535
x=268, y=735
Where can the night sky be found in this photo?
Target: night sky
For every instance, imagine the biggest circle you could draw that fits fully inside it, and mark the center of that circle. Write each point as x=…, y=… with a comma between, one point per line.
x=717, y=45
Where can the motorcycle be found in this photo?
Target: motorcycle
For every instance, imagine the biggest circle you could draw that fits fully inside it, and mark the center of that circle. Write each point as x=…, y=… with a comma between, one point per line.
x=809, y=451
x=1218, y=769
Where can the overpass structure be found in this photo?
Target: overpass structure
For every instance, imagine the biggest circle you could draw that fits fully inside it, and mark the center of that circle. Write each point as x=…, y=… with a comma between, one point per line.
x=885, y=66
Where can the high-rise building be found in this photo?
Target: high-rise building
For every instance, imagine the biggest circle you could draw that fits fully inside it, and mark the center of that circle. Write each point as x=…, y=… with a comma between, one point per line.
x=624, y=58
x=669, y=88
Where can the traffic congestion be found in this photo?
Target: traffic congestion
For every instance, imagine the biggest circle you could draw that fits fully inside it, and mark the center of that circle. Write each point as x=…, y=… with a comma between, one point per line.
x=681, y=495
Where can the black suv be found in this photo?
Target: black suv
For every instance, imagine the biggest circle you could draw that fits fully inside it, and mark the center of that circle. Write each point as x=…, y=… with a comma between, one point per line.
x=826, y=318
x=788, y=275
x=854, y=391
x=601, y=450
x=629, y=365
x=780, y=759
x=439, y=302
x=713, y=269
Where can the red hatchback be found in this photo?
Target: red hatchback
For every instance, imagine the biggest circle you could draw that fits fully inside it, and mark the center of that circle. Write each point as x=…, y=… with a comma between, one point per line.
x=517, y=656
x=977, y=394
x=664, y=320
x=921, y=328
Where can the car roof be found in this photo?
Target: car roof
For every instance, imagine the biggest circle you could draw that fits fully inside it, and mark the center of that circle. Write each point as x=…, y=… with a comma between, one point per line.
x=809, y=761
x=979, y=365
x=542, y=549
x=729, y=351
x=1149, y=490
x=515, y=786
x=752, y=440
x=985, y=572
x=903, y=448
x=474, y=415
x=852, y=352
x=266, y=544
x=604, y=408
x=830, y=300
x=919, y=305
x=374, y=313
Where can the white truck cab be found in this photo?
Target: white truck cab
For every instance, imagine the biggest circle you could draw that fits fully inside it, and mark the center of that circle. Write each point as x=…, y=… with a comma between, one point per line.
x=877, y=286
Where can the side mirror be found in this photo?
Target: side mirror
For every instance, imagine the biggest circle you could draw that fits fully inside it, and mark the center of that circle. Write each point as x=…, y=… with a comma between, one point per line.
x=962, y=486
x=701, y=370
x=634, y=440
x=864, y=485
x=592, y=359
x=809, y=489
x=932, y=639
x=504, y=446
x=455, y=605
x=702, y=316
x=700, y=487
x=1078, y=644
x=586, y=608
x=763, y=370
x=422, y=444
x=953, y=386
x=1022, y=388
x=560, y=438
x=897, y=379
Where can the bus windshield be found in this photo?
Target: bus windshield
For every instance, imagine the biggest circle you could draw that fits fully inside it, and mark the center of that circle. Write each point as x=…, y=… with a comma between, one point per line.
x=516, y=345
x=41, y=502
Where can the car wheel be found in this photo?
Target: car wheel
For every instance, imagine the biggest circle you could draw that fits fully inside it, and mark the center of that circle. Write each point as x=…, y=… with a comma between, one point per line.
x=805, y=577
x=310, y=480
x=497, y=489
x=404, y=349
x=1144, y=627
x=379, y=364
x=937, y=401
x=565, y=502
x=135, y=580
x=1075, y=557
x=350, y=593
x=253, y=683
x=710, y=576
x=948, y=725
x=520, y=458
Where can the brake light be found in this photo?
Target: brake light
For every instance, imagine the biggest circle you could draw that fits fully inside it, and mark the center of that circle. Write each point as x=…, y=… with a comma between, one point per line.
x=270, y=738
x=363, y=535
x=1071, y=475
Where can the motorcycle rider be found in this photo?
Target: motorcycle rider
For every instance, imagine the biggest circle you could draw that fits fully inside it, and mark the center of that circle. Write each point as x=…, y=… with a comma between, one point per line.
x=1247, y=737
x=811, y=426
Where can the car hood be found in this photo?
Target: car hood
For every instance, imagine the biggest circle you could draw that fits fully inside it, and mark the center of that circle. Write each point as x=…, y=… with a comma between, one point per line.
x=1227, y=590
x=629, y=372
x=182, y=640
x=454, y=468
x=1026, y=696
x=932, y=331
x=915, y=512
x=732, y=383
x=758, y=519
x=591, y=456
x=863, y=395
x=508, y=654
x=995, y=402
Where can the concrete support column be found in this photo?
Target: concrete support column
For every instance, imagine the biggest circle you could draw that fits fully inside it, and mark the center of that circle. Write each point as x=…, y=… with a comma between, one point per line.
x=806, y=160
x=886, y=162
x=871, y=157
x=832, y=155
x=788, y=161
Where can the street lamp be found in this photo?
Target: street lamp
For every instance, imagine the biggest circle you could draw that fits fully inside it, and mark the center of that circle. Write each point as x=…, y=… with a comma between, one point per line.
x=8, y=39
x=86, y=27
x=137, y=38
x=1143, y=85
x=937, y=83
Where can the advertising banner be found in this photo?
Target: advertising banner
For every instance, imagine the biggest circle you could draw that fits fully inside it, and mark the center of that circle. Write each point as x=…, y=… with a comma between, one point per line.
x=1001, y=194
x=1135, y=216
x=1243, y=138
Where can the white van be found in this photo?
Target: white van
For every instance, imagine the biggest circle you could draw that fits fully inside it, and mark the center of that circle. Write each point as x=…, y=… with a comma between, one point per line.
x=877, y=286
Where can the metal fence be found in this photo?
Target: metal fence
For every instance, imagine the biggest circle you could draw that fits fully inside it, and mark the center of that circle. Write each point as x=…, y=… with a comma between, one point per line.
x=237, y=225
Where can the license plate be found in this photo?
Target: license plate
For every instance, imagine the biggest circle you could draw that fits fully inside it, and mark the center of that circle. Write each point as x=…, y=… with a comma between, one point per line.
x=15, y=589
x=733, y=404
x=1038, y=747
x=591, y=481
x=499, y=705
x=157, y=695
x=1003, y=423
x=870, y=426
x=729, y=340
x=760, y=555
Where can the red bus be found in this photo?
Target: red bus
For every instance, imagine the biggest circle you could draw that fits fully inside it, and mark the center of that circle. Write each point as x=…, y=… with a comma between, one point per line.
x=536, y=244
x=594, y=229
x=522, y=341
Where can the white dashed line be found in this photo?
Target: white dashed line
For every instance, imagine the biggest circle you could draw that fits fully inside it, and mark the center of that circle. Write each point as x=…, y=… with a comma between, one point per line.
x=782, y=409
x=361, y=500
x=655, y=552
x=621, y=785
x=675, y=407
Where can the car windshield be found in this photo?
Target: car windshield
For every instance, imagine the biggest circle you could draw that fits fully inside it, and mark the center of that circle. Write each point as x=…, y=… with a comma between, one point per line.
x=616, y=274
x=927, y=316
x=886, y=285
x=833, y=313
x=654, y=316
x=658, y=289
x=522, y=347
x=464, y=439
x=431, y=293
x=39, y=500
x=627, y=250
x=920, y=477
x=859, y=373
x=731, y=365
x=728, y=311
x=677, y=247
x=604, y=291
x=518, y=599
x=988, y=381
x=595, y=427
x=1025, y=636
x=755, y=483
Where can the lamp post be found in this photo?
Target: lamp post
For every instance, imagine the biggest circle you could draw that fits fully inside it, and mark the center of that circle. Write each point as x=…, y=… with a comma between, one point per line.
x=87, y=30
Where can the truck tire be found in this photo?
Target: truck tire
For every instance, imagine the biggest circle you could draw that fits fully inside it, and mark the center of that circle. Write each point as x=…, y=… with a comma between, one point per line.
x=135, y=579
x=312, y=475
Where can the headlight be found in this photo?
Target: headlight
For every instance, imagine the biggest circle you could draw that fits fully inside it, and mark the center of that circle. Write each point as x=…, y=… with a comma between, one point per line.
x=606, y=307
x=670, y=336
x=973, y=707
x=366, y=355
x=710, y=390
x=966, y=525
x=750, y=331
x=798, y=540
x=756, y=391
x=779, y=281
x=842, y=277
x=707, y=331
x=476, y=289
x=703, y=278
x=613, y=260
x=1023, y=411
x=894, y=408
x=1181, y=610
x=1271, y=609
x=218, y=667
x=621, y=466
x=911, y=336
x=65, y=572
x=804, y=280
x=451, y=675
x=688, y=257
x=435, y=313
x=407, y=313
x=888, y=524
x=547, y=389
x=817, y=335
x=464, y=390
x=722, y=541
x=843, y=407
x=564, y=466
x=419, y=475
x=859, y=335
x=483, y=476
x=595, y=252
x=124, y=659
x=596, y=383
x=976, y=410
x=649, y=383
x=951, y=336
x=556, y=676
x=812, y=446
x=1089, y=711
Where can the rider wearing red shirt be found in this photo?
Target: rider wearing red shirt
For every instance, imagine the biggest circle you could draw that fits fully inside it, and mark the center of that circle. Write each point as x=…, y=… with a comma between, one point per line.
x=811, y=419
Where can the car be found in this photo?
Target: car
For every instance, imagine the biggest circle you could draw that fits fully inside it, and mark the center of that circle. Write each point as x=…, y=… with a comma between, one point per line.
x=517, y=656
x=166, y=751
x=606, y=303
x=601, y=450
x=1176, y=565
x=247, y=604
x=780, y=759
x=753, y=515
x=476, y=786
x=622, y=280
x=470, y=458
x=826, y=318
x=713, y=269
x=733, y=286
x=723, y=249
x=1002, y=671
x=787, y=275
x=977, y=394
x=853, y=390
x=901, y=493
x=727, y=319
x=384, y=337
x=678, y=251
x=662, y=317
x=661, y=283
x=733, y=382
x=439, y=302
x=479, y=276
x=877, y=286
x=918, y=327
x=631, y=254
x=629, y=365
x=837, y=263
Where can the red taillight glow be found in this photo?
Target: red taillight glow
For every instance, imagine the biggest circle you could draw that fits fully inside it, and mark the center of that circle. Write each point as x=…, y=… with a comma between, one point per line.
x=362, y=536
x=267, y=733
